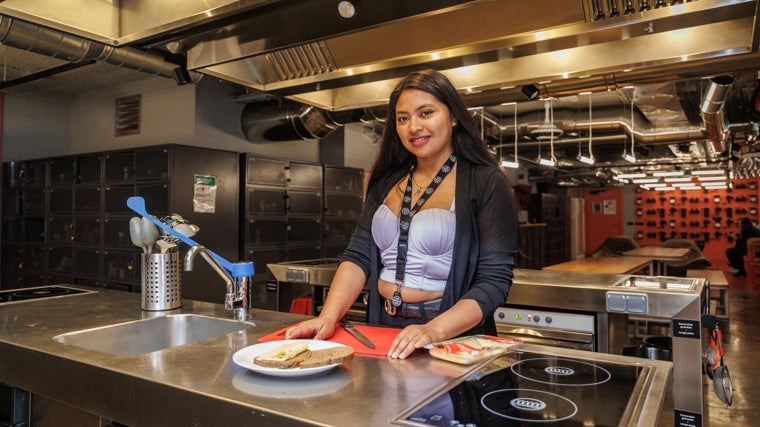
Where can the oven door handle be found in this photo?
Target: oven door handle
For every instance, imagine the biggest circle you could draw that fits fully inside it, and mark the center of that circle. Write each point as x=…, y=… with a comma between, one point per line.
x=541, y=333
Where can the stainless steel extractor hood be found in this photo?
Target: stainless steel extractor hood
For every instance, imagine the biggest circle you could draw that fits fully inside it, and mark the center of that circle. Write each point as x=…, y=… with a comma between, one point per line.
x=486, y=46
x=314, y=64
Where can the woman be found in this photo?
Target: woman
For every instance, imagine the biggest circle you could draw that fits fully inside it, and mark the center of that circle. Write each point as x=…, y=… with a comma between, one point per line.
x=736, y=254
x=456, y=266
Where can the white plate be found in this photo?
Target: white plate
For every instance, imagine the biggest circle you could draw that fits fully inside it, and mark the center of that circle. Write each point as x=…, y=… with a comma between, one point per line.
x=244, y=358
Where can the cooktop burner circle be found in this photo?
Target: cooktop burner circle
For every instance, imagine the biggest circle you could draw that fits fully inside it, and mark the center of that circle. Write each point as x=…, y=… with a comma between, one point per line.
x=529, y=405
x=39, y=293
x=567, y=372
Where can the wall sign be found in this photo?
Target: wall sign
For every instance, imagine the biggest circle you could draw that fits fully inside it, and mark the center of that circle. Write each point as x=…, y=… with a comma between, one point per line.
x=609, y=207
x=204, y=193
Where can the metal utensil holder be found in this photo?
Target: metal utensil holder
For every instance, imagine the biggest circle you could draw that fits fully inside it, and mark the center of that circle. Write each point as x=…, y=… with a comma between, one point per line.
x=161, y=281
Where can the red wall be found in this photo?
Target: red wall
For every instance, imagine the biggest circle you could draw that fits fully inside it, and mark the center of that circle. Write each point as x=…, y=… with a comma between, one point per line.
x=697, y=215
x=604, y=215
x=707, y=216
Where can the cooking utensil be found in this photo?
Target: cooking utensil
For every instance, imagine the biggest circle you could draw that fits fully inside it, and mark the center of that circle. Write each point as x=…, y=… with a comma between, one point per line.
x=135, y=233
x=710, y=358
x=149, y=234
x=240, y=269
x=180, y=225
x=349, y=327
x=722, y=385
x=165, y=245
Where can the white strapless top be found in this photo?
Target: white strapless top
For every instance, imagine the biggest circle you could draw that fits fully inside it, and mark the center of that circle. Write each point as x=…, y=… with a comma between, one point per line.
x=431, y=246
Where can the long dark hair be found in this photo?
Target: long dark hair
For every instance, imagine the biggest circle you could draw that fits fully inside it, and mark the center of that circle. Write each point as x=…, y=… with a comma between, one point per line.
x=393, y=157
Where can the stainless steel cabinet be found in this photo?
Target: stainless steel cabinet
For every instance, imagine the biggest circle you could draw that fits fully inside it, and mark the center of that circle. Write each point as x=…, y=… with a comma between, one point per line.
x=65, y=219
x=295, y=211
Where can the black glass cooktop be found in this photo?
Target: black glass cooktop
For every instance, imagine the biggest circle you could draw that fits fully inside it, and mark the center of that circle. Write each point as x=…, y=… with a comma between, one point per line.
x=24, y=294
x=532, y=389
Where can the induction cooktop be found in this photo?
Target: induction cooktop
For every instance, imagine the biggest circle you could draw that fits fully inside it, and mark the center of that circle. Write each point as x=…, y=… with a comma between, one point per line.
x=533, y=389
x=26, y=294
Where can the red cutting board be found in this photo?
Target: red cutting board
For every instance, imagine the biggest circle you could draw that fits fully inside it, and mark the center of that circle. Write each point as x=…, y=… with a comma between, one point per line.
x=380, y=336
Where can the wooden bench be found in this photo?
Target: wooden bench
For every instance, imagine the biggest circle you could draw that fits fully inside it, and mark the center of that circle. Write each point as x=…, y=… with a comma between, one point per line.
x=718, y=290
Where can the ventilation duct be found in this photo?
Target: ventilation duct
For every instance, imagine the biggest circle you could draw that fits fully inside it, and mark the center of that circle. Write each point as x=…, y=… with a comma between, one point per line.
x=609, y=119
x=67, y=47
x=282, y=120
x=712, y=110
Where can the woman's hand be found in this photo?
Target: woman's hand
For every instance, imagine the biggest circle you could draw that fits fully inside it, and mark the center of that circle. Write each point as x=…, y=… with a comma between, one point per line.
x=411, y=338
x=318, y=329
x=464, y=315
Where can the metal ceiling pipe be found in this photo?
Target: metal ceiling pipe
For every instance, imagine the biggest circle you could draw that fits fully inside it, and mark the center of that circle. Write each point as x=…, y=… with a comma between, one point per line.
x=712, y=110
x=643, y=132
x=56, y=44
x=284, y=120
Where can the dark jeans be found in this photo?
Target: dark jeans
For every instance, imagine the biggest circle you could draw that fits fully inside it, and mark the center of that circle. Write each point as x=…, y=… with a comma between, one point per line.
x=736, y=259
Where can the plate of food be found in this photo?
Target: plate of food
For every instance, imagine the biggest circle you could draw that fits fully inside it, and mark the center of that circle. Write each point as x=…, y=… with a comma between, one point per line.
x=292, y=358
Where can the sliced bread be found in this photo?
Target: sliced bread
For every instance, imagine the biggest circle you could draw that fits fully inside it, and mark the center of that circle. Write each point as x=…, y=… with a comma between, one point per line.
x=326, y=356
x=291, y=356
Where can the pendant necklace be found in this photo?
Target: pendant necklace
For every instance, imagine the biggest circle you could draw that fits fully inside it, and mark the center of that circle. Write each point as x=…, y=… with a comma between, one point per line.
x=419, y=187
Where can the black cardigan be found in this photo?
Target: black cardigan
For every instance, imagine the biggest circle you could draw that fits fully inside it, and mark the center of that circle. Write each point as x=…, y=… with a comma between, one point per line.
x=484, y=244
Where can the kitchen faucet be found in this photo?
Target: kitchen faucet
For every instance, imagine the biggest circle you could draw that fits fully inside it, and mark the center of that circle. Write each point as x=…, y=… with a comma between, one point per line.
x=236, y=298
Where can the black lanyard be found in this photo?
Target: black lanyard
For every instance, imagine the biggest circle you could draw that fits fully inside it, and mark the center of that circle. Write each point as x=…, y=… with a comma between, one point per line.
x=405, y=220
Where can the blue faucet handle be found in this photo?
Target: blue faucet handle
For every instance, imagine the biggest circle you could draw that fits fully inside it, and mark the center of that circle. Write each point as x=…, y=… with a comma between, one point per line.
x=241, y=269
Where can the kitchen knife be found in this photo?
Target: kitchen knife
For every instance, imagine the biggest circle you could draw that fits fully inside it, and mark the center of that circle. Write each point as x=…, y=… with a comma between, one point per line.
x=349, y=327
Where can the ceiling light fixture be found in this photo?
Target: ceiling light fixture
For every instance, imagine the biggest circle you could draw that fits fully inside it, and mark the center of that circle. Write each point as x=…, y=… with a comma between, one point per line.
x=589, y=160
x=715, y=186
x=630, y=157
x=551, y=161
x=708, y=172
x=514, y=164
x=632, y=175
x=668, y=173
x=645, y=181
x=711, y=178
x=547, y=162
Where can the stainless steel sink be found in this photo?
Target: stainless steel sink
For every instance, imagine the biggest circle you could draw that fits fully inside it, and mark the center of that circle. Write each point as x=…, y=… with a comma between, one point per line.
x=147, y=335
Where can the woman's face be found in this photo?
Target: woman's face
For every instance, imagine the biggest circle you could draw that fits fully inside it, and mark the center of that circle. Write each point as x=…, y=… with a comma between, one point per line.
x=424, y=125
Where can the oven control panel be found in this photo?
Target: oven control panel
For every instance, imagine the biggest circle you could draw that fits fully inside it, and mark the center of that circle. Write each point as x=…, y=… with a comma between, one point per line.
x=546, y=319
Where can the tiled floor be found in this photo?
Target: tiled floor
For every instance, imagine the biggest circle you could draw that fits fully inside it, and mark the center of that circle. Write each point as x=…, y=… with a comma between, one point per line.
x=742, y=358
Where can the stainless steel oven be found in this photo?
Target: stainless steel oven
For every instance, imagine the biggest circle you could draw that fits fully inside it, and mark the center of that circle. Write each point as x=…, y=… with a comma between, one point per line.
x=544, y=327
x=312, y=277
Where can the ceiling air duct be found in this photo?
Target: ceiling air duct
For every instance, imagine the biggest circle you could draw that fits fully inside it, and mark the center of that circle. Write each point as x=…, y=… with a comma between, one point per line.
x=283, y=120
x=67, y=47
x=712, y=110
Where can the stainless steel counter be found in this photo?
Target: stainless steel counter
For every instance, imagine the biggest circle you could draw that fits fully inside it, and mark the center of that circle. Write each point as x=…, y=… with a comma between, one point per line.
x=198, y=384
x=676, y=301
